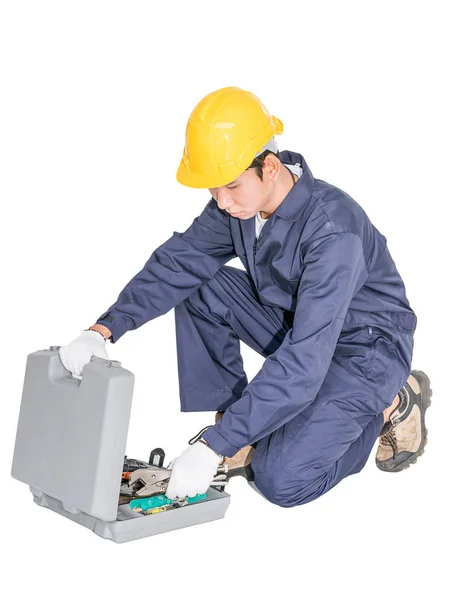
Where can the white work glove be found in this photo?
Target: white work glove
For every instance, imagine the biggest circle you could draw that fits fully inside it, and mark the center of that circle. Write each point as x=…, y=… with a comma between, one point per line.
x=193, y=471
x=78, y=353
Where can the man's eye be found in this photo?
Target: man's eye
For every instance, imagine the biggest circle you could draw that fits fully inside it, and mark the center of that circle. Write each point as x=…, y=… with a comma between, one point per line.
x=233, y=187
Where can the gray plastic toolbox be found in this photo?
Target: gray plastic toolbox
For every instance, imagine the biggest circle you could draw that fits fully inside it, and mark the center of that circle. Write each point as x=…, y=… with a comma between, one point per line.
x=71, y=443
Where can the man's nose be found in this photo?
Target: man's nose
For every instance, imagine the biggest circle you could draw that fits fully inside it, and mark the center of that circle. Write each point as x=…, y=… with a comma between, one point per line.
x=223, y=199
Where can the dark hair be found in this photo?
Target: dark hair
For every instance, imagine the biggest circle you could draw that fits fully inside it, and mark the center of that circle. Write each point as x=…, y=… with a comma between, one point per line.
x=259, y=161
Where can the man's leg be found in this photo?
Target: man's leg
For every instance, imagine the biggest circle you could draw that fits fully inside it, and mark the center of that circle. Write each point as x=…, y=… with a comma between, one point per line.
x=209, y=325
x=333, y=437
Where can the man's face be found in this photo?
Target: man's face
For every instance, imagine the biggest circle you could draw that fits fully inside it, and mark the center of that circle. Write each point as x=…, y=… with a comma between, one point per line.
x=244, y=197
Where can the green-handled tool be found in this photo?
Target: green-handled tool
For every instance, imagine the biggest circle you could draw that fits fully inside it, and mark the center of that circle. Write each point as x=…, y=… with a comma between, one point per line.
x=142, y=504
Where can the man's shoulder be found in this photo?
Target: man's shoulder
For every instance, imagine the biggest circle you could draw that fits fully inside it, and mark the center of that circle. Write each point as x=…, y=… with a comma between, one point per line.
x=340, y=210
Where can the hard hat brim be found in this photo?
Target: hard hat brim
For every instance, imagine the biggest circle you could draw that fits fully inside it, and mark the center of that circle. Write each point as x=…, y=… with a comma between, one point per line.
x=198, y=180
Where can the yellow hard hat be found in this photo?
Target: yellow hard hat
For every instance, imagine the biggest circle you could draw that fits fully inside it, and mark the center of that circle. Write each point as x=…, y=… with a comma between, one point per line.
x=224, y=133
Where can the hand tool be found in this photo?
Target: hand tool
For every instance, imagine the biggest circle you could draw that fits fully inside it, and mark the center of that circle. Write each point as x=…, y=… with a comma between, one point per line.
x=144, y=504
x=175, y=504
x=146, y=482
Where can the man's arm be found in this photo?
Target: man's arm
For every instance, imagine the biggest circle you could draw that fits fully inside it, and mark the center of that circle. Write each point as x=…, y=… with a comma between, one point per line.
x=173, y=272
x=292, y=376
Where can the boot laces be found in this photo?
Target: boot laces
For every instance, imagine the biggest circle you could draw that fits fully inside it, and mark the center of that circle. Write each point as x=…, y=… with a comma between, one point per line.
x=390, y=439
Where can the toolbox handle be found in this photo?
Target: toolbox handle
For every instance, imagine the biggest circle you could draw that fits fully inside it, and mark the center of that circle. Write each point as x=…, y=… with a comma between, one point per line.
x=60, y=375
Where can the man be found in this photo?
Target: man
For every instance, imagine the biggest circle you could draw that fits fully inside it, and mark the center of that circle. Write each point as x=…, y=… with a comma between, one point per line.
x=320, y=299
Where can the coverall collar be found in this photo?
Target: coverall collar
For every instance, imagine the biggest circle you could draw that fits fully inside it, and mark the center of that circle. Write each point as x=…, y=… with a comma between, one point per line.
x=299, y=195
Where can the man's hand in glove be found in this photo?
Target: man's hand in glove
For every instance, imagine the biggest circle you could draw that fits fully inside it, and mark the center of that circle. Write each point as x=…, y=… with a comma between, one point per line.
x=78, y=353
x=193, y=471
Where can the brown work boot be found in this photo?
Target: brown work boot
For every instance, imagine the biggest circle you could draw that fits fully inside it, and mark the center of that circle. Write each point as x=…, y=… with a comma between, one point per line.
x=239, y=464
x=404, y=436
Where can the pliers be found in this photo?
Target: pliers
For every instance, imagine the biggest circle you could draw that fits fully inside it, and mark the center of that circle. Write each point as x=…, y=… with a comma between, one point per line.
x=153, y=481
x=146, y=482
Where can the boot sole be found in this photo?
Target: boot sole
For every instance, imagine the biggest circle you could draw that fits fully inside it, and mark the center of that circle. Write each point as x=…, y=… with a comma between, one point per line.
x=426, y=401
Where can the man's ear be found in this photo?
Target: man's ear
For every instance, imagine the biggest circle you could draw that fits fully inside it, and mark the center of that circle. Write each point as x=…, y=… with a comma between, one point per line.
x=271, y=167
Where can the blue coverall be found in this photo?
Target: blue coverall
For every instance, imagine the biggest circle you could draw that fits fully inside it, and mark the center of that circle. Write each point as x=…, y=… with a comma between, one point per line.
x=320, y=299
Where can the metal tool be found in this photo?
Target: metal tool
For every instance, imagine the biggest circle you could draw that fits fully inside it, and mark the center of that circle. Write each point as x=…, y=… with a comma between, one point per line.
x=246, y=472
x=146, y=482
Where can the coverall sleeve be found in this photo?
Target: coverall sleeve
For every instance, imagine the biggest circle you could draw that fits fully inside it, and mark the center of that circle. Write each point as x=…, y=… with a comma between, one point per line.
x=174, y=271
x=290, y=378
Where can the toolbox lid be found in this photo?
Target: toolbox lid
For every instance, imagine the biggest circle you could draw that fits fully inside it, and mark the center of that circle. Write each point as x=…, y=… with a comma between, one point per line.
x=72, y=433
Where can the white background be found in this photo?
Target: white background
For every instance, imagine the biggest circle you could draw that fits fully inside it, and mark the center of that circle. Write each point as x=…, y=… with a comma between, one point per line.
x=94, y=103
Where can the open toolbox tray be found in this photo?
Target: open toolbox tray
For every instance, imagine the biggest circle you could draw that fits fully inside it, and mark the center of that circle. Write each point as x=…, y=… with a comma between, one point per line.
x=70, y=449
